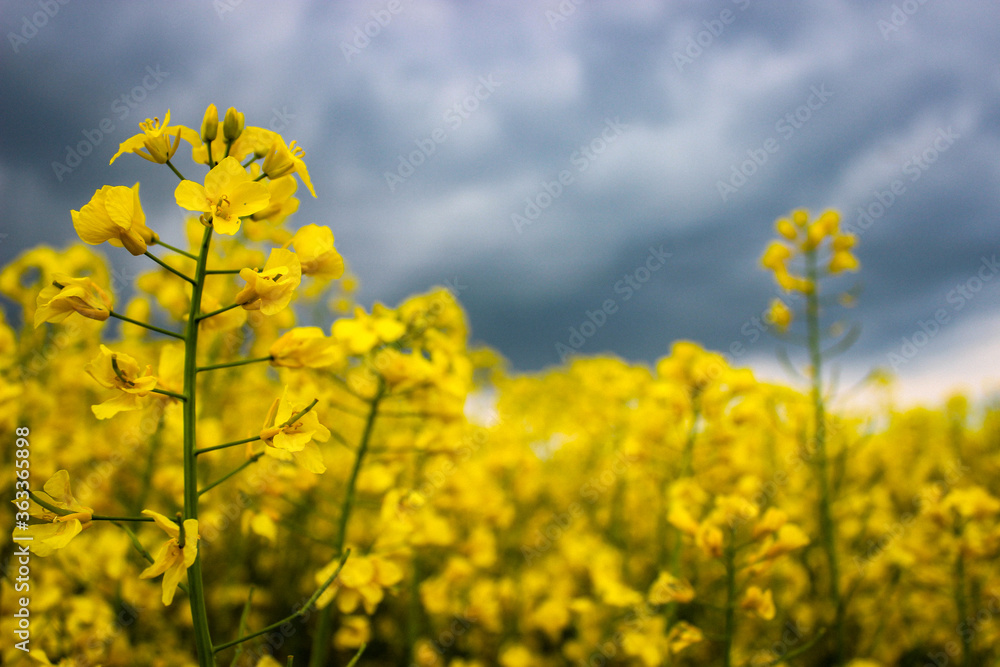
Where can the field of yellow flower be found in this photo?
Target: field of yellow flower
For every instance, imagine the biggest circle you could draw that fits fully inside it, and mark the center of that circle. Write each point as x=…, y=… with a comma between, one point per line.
x=214, y=480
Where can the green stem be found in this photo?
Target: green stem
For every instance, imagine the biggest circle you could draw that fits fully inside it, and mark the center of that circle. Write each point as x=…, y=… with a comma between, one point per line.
x=222, y=272
x=165, y=332
x=306, y=607
x=961, y=601
x=169, y=268
x=252, y=459
x=729, y=555
x=171, y=394
x=321, y=639
x=174, y=169
x=177, y=250
x=199, y=612
x=231, y=364
x=217, y=312
x=225, y=445
x=827, y=530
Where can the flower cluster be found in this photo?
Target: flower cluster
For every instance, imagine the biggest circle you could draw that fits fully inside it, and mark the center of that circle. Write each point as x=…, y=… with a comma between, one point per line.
x=279, y=486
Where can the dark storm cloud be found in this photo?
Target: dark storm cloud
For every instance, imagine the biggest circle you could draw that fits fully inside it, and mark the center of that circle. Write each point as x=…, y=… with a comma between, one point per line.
x=497, y=101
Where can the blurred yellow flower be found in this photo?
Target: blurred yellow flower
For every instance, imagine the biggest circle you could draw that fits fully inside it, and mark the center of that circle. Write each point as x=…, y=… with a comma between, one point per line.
x=305, y=347
x=362, y=581
x=66, y=295
x=759, y=602
x=314, y=246
x=270, y=289
x=779, y=314
x=47, y=537
x=668, y=588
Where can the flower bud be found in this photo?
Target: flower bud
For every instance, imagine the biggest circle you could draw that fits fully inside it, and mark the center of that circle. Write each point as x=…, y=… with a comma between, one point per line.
x=232, y=126
x=210, y=124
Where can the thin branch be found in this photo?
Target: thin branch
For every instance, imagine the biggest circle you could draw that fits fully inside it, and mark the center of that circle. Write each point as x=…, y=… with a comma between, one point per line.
x=222, y=479
x=165, y=332
x=231, y=364
x=169, y=268
x=171, y=394
x=302, y=610
x=177, y=250
x=217, y=312
x=224, y=446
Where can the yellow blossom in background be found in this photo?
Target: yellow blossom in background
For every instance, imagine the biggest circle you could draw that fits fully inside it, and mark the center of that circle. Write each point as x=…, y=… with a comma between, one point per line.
x=66, y=295
x=305, y=347
x=789, y=538
x=173, y=559
x=270, y=289
x=772, y=521
x=364, y=332
x=363, y=581
x=114, y=214
x=779, y=314
x=683, y=635
x=48, y=537
x=157, y=142
x=227, y=195
x=353, y=632
x=120, y=371
x=973, y=503
x=759, y=602
x=314, y=246
x=668, y=588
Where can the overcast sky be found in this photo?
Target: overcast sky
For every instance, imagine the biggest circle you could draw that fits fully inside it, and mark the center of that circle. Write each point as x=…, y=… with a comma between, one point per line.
x=553, y=159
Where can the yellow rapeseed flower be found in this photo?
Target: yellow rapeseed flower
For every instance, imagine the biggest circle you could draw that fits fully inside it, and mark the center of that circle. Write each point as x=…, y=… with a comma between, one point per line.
x=759, y=602
x=121, y=372
x=114, y=214
x=227, y=195
x=314, y=246
x=47, y=537
x=305, y=347
x=287, y=441
x=270, y=289
x=154, y=142
x=282, y=160
x=175, y=556
x=66, y=295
